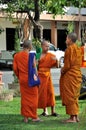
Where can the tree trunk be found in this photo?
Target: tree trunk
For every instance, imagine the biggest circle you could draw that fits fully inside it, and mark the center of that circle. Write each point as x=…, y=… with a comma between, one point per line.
x=26, y=29
x=38, y=29
x=38, y=32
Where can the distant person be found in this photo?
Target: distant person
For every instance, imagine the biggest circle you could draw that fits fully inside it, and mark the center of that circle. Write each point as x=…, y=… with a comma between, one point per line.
x=29, y=95
x=71, y=78
x=46, y=88
x=83, y=65
x=83, y=48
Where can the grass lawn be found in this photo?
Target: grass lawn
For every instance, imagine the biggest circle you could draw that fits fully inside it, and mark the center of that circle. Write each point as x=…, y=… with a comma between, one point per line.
x=10, y=118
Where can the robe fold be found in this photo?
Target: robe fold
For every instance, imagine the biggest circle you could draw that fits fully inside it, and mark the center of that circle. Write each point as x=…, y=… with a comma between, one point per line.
x=70, y=80
x=46, y=96
x=29, y=95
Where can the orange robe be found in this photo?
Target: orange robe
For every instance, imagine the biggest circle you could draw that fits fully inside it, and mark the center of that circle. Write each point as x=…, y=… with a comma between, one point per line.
x=70, y=80
x=29, y=95
x=83, y=61
x=46, y=89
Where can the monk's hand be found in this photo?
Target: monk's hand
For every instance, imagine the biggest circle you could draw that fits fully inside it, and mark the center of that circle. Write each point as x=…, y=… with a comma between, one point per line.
x=35, y=77
x=37, y=62
x=54, y=57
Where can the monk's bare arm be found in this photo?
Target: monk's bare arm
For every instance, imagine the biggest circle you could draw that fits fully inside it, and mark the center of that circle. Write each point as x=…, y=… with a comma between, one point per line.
x=35, y=64
x=66, y=62
x=15, y=68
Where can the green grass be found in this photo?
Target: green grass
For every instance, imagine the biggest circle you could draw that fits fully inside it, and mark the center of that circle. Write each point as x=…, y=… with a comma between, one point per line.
x=10, y=118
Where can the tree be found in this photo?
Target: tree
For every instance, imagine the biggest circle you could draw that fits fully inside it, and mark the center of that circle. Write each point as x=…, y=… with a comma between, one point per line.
x=17, y=42
x=29, y=7
x=37, y=6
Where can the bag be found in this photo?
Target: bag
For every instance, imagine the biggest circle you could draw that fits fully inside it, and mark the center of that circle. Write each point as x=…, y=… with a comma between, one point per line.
x=33, y=77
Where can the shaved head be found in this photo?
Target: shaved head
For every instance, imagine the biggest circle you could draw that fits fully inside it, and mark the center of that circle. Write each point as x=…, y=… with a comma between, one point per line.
x=27, y=44
x=45, y=46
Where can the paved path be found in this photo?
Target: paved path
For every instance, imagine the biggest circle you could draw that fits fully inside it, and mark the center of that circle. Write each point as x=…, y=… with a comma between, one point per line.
x=55, y=77
x=8, y=78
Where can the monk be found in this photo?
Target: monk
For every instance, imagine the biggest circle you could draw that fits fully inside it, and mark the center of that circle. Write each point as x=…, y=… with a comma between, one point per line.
x=71, y=78
x=46, y=89
x=29, y=95
x=83, y=65
x=83, y=48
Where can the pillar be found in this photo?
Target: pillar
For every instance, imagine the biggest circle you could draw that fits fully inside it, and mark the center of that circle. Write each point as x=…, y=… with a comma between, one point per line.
x=54, y=32
x=78, y=30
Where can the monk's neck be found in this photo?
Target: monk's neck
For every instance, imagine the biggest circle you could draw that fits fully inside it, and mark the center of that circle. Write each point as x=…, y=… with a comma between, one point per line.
x=44, y=53
x=26, y=50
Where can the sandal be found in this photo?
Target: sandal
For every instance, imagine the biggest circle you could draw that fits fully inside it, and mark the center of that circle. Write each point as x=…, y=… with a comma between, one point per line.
x=54, y=114
x=43, y=114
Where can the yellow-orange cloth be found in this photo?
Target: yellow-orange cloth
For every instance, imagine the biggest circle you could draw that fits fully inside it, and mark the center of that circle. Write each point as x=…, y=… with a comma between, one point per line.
x=70, y=80
x=29, y=95
x=83, y=61
x=46, y=89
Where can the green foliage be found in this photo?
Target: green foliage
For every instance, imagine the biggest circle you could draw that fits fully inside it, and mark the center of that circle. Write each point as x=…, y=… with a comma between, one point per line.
x=77, y=3
x=37, y=6
x=70, y=27
x=17, y=42
x=1, y=30
x=83, y=37
x=6, y=91
x=56, y=7
x=78, y=43
x=52, y=6
x=15, y=78
x=17, y=49
x=36, y=43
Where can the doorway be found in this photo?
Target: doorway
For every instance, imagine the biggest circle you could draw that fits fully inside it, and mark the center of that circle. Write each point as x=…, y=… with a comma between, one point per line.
x=10, y=38
x=47, y=34
x=61, y=39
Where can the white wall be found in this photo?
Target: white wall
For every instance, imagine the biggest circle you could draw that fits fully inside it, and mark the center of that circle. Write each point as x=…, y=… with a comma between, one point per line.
x=60, y=25
x=46, y=25
x=4, y=23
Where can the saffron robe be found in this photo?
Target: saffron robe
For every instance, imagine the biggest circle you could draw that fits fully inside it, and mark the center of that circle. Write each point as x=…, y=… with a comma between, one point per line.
x=46, y=96
x=29, y=95
x=70, y=80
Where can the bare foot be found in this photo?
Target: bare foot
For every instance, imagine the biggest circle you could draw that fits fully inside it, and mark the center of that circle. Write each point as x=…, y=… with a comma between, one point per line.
x=70, y=121
x=77, y=119
x=37, y=120
x=25, y=119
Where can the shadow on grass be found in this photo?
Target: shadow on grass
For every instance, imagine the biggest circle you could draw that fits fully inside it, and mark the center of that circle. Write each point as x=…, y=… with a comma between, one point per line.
x=15, y=122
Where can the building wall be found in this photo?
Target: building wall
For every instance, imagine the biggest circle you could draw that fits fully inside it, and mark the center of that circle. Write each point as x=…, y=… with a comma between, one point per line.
x=4, y=23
